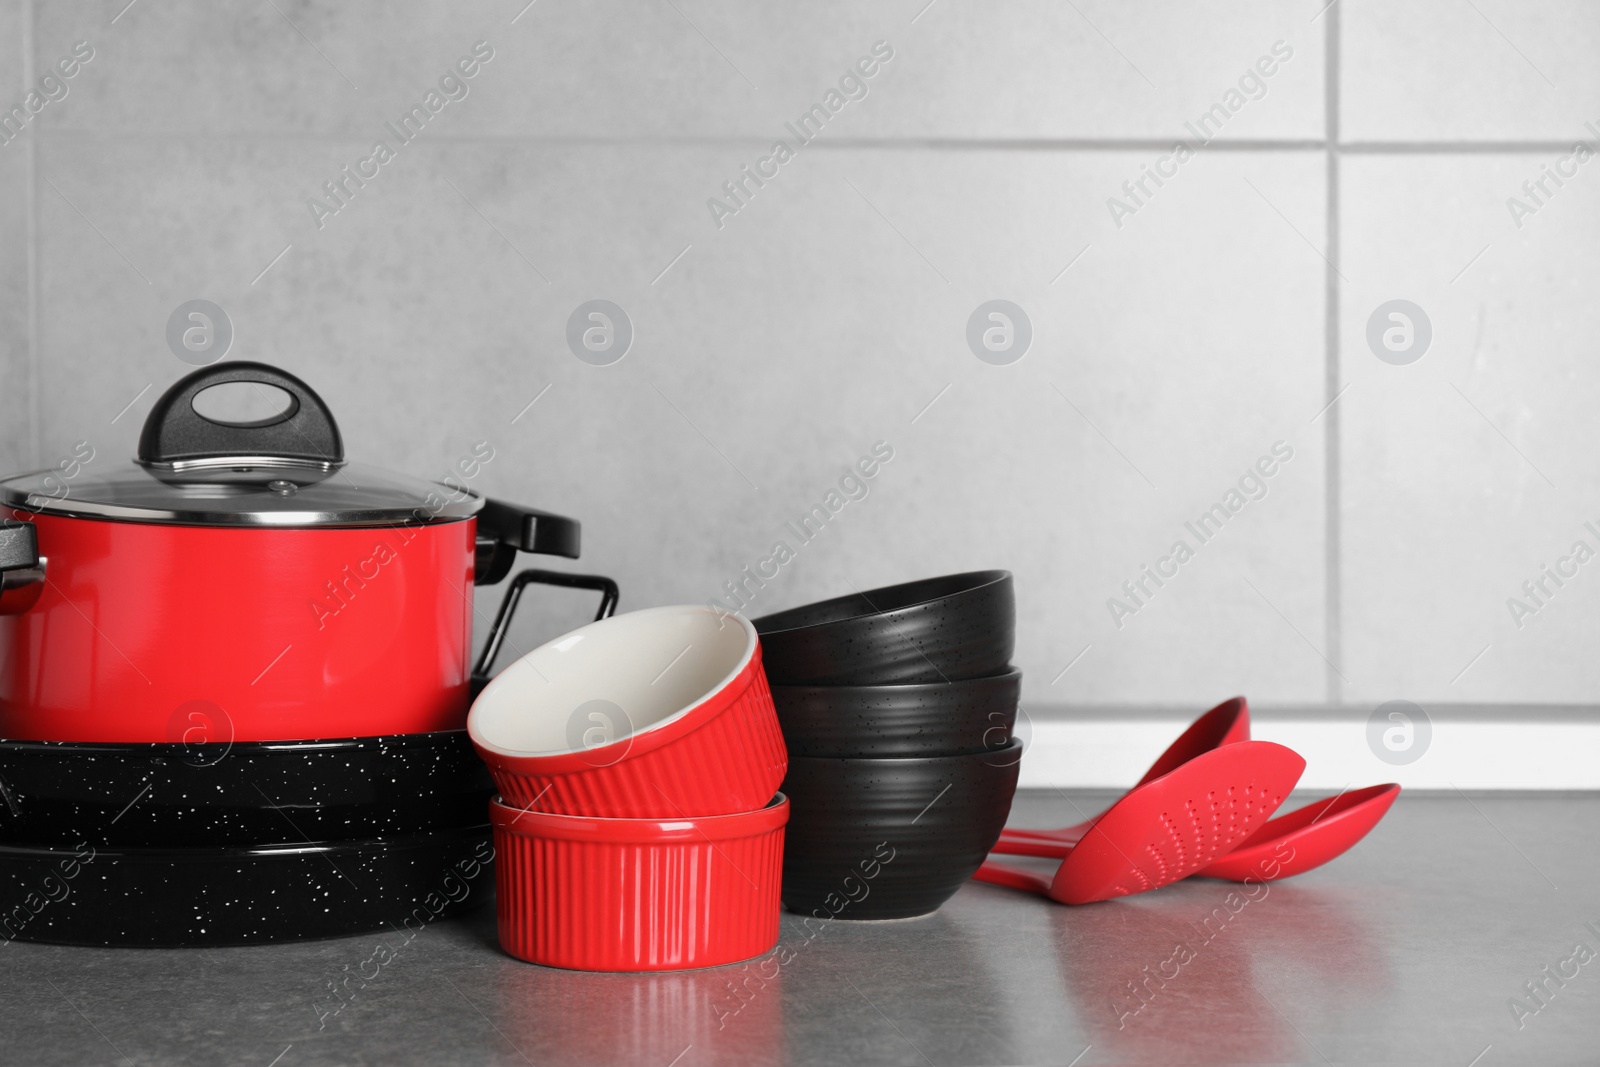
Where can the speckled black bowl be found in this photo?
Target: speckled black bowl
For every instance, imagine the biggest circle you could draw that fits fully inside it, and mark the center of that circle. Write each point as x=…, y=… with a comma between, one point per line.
x=172, y=898
x=934, y=630
x=942, y=719
x=891, y=838
x=247, y=793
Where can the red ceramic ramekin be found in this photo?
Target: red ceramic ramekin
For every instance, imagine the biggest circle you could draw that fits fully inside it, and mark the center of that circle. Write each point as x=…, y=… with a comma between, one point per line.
x=638, y=894
x=662, y=713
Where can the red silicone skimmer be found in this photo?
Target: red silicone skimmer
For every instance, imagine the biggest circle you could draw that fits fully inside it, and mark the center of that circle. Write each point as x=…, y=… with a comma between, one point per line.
x=1225, y=724
x=1167, y=828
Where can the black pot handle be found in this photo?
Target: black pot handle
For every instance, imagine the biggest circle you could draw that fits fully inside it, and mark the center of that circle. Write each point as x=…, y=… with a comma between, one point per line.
x=502, y=621
x=305, y=432
x=506, y=529
x=21, y=567
x=19, y=546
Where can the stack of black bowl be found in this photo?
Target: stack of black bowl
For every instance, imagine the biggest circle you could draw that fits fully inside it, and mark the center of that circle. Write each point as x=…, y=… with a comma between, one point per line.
x=897, y=705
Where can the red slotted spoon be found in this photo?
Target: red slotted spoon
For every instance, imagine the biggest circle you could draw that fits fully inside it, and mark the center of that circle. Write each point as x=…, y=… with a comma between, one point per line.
x=1226, y=724
x=1167, y=828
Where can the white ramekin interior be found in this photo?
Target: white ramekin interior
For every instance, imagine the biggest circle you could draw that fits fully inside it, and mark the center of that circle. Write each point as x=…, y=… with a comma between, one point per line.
x=655, y=665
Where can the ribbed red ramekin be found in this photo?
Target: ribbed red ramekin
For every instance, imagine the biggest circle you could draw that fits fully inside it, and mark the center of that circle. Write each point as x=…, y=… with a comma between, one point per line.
x=585, y=726
x=638, y=894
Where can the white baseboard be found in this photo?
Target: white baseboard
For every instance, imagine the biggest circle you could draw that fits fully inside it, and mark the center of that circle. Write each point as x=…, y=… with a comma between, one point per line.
x=1527, y=748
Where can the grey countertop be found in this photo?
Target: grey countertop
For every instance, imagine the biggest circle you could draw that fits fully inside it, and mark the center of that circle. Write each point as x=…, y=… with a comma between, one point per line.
x=1411, y=949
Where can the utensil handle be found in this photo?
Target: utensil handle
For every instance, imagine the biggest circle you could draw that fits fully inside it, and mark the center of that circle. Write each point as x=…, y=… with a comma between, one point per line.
x=1065, y=835
x=508, y=606
x=1011, y=844
x=303, y=432
x=1012, y=878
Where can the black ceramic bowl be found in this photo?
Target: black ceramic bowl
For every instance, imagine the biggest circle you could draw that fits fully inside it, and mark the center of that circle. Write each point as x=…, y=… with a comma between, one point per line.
x=941, y=719
x=934, y=630
x=891, y=838
x=173, y=897
x=247, y=793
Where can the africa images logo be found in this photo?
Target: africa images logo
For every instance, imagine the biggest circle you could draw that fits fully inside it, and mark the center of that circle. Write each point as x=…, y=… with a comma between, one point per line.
x=1252, y=85
x=1252, y=485
x=454, y=84
x=804, y=130
x=48, y=90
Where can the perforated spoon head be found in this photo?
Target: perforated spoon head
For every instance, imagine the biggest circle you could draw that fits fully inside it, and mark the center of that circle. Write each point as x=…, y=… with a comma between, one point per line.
x=1226, y=724
x=1179, y=823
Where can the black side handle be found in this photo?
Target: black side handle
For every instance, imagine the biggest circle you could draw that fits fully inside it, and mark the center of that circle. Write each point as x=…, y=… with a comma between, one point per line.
x=19, y=546
x=506, y=529
x=502, y=620
x=21, y=567
x=175, y=431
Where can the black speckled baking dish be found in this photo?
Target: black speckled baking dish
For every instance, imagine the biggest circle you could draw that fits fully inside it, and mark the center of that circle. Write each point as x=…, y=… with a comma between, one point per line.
x=173, y=898
x=935, y=630
x=244, y=794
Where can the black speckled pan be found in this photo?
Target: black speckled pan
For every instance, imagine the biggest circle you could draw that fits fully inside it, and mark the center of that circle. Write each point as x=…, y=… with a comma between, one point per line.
x=891, y=838
x=171, y=898
x=247, y=793
x=934, y=630
x=941, y=719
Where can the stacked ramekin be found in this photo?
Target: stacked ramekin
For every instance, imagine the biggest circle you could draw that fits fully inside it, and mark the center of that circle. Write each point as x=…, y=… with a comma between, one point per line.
x=638, y=826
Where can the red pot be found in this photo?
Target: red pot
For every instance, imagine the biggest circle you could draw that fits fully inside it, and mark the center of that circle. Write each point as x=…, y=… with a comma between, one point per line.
x=243, y=582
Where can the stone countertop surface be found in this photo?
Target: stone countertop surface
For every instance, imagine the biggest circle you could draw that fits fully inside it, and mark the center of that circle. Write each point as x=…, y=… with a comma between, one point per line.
x=1419, y=946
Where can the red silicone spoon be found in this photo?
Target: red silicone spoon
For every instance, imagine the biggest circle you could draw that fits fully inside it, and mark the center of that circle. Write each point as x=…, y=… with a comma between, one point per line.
x=1307, y=837
x=1225, y=724
x=1167, y=828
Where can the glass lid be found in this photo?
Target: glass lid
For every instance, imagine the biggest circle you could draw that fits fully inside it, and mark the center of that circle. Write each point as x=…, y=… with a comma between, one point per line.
x=285, y=471
x=352, y=494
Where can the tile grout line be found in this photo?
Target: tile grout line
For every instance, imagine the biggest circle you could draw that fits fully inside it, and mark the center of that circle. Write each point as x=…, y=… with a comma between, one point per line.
x=31, y=199
x=1333, y=622
x=844, y=144
x=1459, y=148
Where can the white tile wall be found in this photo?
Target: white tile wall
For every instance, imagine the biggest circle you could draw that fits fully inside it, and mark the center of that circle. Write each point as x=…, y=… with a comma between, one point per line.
x=1489, y=70
x=16, y=373
x=796, y=337
x=828, y=313
x=1467, y=471
x=702, y=68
